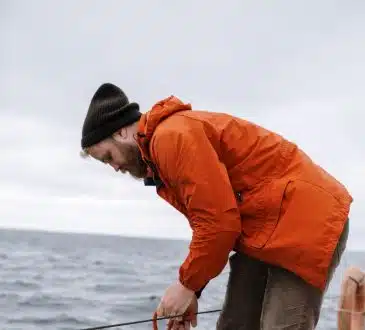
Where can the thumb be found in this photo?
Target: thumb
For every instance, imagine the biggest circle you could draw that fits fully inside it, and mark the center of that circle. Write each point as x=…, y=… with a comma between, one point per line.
x=193, y=319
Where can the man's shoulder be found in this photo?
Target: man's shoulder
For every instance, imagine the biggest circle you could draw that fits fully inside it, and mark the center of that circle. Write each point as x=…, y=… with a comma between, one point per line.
x=174, y=133
x=177, y=124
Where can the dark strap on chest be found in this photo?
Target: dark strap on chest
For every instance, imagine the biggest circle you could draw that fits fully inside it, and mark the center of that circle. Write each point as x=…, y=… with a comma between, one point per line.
x=155, y=179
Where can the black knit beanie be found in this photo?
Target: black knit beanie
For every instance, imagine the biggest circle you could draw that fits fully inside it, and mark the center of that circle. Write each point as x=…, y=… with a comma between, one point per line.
x=109, y=110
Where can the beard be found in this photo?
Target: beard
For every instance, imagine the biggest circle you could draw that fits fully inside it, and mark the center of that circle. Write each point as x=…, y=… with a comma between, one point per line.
x=135, y=166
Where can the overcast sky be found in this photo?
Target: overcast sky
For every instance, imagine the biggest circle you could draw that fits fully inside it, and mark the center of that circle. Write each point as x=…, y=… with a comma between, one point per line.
x=296, y=67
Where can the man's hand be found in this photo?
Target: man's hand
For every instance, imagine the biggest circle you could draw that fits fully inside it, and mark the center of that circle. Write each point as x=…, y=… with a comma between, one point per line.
x=175, y=301
x=190, y=318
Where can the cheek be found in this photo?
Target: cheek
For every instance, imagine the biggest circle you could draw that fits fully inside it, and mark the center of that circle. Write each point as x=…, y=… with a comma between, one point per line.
x=119, y=157
x=125, y=155
x=116, y=159
x=129, y=156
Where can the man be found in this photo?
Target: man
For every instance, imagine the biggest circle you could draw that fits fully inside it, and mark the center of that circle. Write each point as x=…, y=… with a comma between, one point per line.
x=243, y=189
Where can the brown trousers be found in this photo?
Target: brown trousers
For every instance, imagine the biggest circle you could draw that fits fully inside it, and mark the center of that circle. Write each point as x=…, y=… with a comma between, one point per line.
x=263, y=297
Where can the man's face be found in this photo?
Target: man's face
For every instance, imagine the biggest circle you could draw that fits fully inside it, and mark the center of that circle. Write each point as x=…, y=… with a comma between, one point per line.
x=122, y=156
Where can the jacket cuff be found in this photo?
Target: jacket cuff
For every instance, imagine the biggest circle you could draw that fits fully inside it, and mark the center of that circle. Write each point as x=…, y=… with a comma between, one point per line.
x=198, y=293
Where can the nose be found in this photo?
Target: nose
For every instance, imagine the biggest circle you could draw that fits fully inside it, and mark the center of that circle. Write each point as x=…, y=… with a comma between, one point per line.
x=115, y=166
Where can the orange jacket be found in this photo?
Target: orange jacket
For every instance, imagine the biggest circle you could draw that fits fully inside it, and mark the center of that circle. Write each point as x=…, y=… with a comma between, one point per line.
x=242, y=188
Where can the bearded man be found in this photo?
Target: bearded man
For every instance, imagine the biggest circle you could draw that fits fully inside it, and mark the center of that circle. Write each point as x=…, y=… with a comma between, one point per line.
x=243, y=189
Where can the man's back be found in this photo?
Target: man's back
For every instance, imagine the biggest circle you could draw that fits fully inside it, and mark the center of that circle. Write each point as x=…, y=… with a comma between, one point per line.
x=251, y=154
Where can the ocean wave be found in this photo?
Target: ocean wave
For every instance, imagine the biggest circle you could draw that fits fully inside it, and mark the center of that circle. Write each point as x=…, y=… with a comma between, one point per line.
x=61, y=319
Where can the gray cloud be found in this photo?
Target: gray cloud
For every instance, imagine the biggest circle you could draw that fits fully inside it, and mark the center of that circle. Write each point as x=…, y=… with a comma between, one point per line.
x=294, y=67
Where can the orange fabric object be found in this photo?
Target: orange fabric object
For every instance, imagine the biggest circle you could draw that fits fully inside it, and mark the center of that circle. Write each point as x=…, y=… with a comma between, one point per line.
x=351, y=314
x=242, y=188
x=154, y=321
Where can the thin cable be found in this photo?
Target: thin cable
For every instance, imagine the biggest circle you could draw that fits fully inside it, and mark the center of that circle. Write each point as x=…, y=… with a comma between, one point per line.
x=206, y=312
x=144, y=321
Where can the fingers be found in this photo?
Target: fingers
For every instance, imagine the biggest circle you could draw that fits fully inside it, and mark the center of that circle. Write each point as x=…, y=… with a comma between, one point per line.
x=163, y=311
x=194, y=320
x=170, y=325
x=193, y=317
x=178, y=325
x=175, y=323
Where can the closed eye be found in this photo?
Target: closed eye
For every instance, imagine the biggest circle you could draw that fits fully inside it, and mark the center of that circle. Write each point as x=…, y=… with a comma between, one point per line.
x=106, y=159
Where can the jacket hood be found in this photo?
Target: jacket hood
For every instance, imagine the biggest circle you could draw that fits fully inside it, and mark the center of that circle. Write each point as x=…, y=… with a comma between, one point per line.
x=159, y=112
x=150, y=120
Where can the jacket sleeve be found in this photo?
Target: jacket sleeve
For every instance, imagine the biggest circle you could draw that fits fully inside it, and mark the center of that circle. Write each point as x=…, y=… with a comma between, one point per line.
x=188, y=161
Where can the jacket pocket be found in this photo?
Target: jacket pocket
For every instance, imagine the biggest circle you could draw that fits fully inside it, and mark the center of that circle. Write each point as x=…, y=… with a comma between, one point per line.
x=260, y=212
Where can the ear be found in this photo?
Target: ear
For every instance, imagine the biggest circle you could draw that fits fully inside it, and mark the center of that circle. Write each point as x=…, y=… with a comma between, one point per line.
x=120, y=135
x=116, y=134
